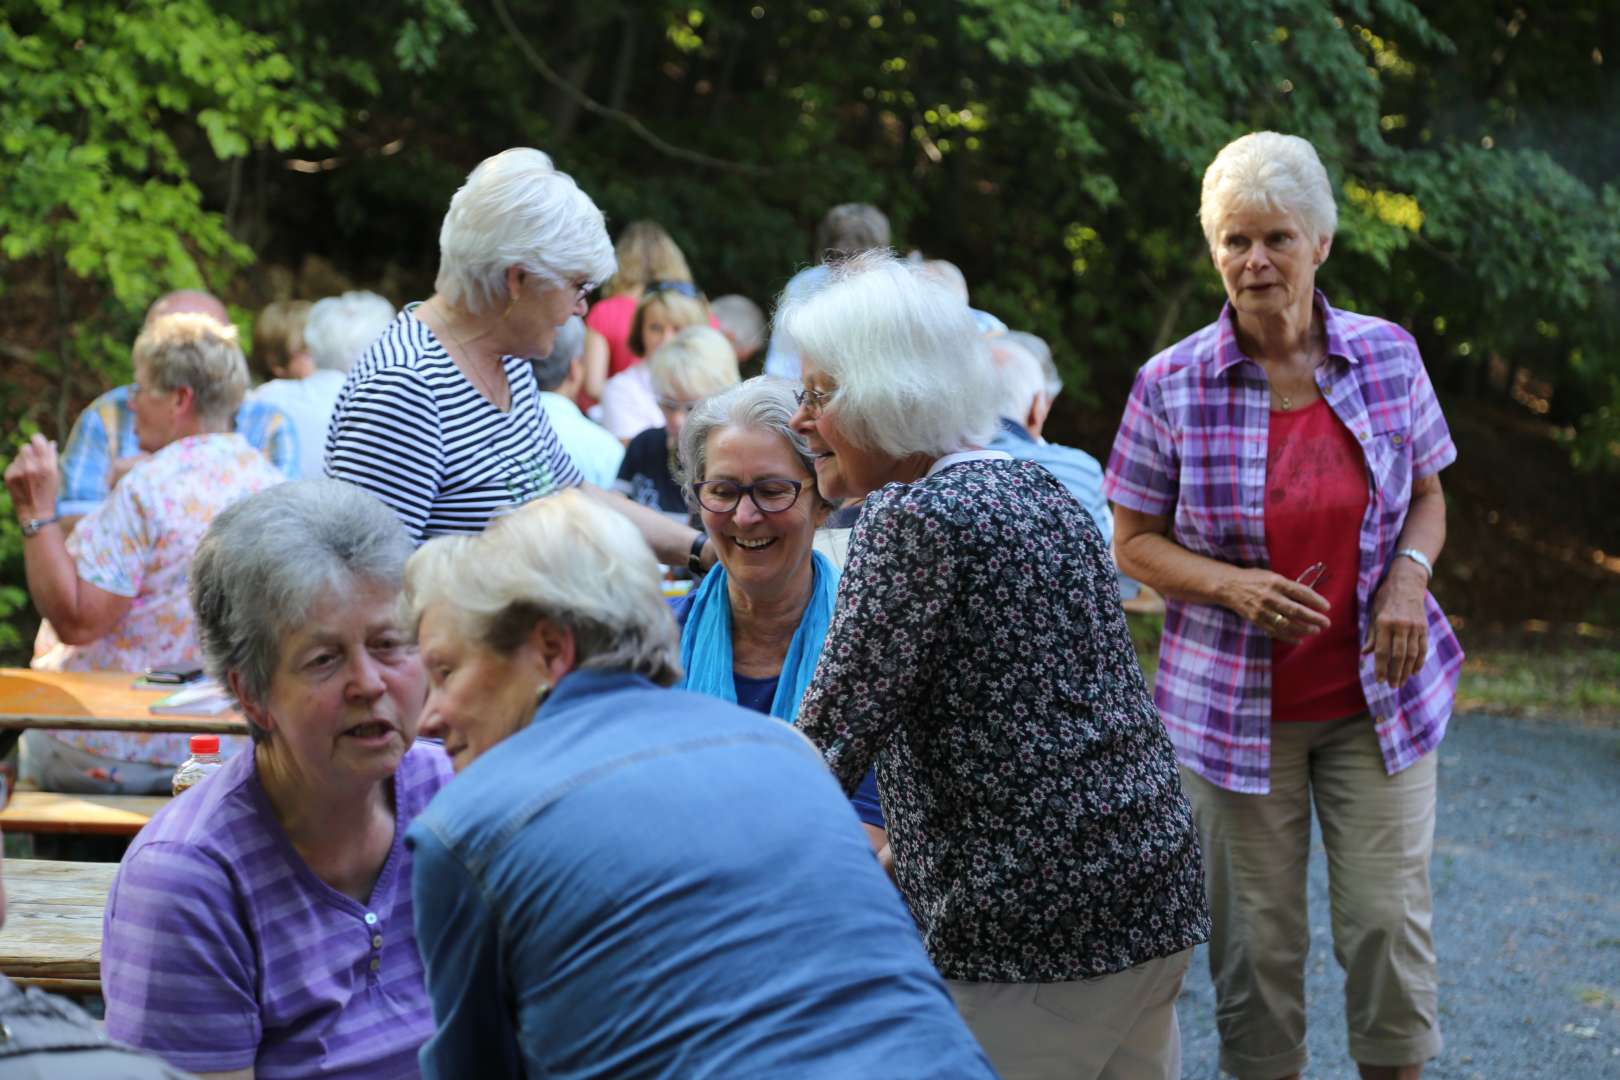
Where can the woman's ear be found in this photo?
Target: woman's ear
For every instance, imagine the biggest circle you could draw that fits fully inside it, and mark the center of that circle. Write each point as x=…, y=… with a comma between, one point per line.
x=1323, y=246
x=516, y=278
x=552, y=649
x=256, y=714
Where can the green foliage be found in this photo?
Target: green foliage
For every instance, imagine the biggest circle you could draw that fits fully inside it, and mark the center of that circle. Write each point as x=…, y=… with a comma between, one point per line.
x=105, y=103
x=1052, y=148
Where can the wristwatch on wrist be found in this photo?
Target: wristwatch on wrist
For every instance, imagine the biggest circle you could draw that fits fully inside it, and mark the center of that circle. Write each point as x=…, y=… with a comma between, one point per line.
x=694, y=558
x=32, y=526
x=1418, y=557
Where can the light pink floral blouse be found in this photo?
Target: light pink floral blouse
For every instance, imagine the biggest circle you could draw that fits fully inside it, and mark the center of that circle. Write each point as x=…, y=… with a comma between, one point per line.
x=139, y=544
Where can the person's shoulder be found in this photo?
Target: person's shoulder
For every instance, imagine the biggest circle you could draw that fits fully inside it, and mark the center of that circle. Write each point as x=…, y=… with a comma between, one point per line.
x=215, y=821
x=1370, y=339
x=1190, y=354
x=650, y=444
x=405, y=351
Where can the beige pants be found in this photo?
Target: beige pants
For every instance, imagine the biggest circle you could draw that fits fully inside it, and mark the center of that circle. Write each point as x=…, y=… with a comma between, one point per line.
x=1117, y=1027
x=1379, y=834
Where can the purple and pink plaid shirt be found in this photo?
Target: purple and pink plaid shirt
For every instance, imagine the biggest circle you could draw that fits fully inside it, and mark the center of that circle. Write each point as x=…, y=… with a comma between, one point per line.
x=1192, y=446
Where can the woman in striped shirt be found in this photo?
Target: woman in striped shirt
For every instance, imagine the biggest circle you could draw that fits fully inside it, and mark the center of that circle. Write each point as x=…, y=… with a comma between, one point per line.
x=441, y=418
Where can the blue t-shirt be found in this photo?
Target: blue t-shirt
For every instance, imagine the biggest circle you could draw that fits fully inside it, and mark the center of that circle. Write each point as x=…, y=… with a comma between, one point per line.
x=757, y=694
x=655, y=889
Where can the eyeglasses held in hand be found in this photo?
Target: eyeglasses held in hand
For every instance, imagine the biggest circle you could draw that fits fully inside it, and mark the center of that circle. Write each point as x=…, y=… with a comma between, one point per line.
x=772, y=496
x=1314, y=575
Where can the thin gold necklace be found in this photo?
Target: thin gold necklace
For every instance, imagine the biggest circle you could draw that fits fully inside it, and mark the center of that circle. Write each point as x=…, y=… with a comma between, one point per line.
x=1316, y=362
x=472, y=367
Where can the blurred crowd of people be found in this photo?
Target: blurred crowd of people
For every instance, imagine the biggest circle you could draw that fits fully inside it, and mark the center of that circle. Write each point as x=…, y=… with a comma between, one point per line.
x=615, y=714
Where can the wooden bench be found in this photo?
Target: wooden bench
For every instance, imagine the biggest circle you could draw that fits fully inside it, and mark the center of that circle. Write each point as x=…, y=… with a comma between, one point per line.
x=52, y=936
x=83, y=815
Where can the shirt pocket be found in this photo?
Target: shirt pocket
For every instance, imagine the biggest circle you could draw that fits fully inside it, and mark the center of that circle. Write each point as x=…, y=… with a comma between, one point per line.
x=1389, y=466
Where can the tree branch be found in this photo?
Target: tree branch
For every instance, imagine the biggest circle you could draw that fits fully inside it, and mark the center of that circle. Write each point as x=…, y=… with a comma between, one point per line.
x=596, y=108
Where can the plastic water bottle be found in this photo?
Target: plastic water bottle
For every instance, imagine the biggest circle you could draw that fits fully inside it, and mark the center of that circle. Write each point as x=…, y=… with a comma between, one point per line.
x=203, y=763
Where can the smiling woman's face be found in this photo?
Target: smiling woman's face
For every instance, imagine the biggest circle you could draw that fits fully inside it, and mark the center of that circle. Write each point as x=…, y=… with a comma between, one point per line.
x=476, y=696
x=347, y=690
x=760, y=550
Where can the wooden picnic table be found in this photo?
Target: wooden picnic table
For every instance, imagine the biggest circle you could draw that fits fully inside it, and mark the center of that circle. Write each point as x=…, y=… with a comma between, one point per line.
x=52, y=935
x=96, y=701
x=81, y=815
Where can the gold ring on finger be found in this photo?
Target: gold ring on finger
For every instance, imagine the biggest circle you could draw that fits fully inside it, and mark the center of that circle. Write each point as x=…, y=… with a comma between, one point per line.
x=1278, y=618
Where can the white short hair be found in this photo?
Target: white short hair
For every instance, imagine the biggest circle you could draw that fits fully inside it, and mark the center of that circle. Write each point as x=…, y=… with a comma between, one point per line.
x=565, y=558
x=1271, y=171
x=341, y=328
x=912, y=374
x=695, y=363
x=1042, y=352
x=1020, y=376
x=516, y=209
x=742, y=320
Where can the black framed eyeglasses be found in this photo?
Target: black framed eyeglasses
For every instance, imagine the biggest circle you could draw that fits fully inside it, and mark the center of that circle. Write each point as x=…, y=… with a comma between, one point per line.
x=682, y=288
x=814, y=400
x=583, y=290
x=772, y=495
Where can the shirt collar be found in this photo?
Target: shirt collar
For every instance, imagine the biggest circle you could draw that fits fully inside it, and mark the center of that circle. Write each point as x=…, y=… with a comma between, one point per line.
x=1228, y=354
x=1016, y=430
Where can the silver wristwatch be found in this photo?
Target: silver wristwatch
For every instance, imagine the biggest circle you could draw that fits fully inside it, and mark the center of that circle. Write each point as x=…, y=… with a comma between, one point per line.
x=1418, y=557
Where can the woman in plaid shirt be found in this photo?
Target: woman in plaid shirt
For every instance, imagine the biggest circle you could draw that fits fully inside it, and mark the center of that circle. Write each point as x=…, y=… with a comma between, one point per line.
x=1276, y=477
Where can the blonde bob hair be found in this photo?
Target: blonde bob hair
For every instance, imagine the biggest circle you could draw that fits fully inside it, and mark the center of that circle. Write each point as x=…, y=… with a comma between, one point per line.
x=199, y=353
x=680, y=309
x=911, y=373
x=1265, y=170
x=516, y=209
x=646, y=253
x=695, y=363
x=565, y=558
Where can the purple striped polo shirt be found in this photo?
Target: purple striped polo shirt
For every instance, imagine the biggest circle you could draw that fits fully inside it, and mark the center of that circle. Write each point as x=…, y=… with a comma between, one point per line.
x=1192, y=446
x=221, y=949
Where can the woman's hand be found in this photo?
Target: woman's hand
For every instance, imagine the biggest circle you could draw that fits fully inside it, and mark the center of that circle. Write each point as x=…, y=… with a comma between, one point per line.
x=33, y=480
x=1398, y=636
x=1284, y=609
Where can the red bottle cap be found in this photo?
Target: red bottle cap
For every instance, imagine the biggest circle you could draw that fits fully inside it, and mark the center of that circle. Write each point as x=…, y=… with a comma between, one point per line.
x=205, y=744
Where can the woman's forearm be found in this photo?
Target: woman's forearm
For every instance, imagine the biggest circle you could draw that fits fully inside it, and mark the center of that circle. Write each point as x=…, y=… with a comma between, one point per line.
x=1425, y=527
x=53, y=580
x=1165, y=566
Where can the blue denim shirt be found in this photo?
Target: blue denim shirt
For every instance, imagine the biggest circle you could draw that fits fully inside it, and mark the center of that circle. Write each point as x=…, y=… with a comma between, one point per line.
x=650, y=883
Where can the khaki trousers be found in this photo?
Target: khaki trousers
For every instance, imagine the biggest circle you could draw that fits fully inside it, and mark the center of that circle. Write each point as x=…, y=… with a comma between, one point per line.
x=1116, y=1027
x=1379, y=834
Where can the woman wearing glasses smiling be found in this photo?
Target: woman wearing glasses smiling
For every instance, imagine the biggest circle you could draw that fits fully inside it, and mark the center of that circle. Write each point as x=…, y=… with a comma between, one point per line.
x=752, y=632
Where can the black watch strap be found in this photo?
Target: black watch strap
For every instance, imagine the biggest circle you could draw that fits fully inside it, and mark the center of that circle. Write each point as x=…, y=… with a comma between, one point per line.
x=694, y=558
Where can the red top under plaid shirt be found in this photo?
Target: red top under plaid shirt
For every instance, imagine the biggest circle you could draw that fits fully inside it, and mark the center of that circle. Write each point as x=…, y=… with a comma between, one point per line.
x=1192, y=446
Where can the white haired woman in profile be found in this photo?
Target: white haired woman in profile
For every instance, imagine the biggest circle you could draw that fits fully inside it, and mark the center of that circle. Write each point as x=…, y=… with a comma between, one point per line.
x=979, y=654
x=1276, y=477
x=441, y=417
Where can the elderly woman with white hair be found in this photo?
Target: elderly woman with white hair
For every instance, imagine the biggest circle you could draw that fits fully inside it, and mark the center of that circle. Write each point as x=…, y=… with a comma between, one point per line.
x=690, y=366
x=441, y=418
x=752, y=632
x=1276, y=477
x=260, y=925
x=115, y=591
x=979, y=655
x=628, y=880
x=337, y=330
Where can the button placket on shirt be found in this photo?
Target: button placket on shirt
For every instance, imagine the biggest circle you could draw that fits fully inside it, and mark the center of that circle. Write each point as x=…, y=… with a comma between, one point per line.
x=376, y=942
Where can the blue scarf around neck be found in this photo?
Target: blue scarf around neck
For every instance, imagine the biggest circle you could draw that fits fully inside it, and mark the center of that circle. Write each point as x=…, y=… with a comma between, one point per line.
x=706, y=640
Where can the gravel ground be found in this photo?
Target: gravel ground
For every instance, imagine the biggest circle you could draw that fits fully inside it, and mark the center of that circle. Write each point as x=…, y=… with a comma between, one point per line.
x=1527, y=914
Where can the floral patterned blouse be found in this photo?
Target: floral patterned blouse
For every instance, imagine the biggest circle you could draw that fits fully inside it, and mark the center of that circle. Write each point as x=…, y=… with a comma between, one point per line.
x=139, y=544
x=980, y=654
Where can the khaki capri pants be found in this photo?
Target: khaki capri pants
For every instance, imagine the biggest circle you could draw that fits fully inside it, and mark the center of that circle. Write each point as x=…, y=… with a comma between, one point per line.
x=1379, y=834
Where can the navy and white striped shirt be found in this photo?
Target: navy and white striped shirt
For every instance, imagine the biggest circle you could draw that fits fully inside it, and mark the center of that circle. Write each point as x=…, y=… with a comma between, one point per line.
x=413, y=430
